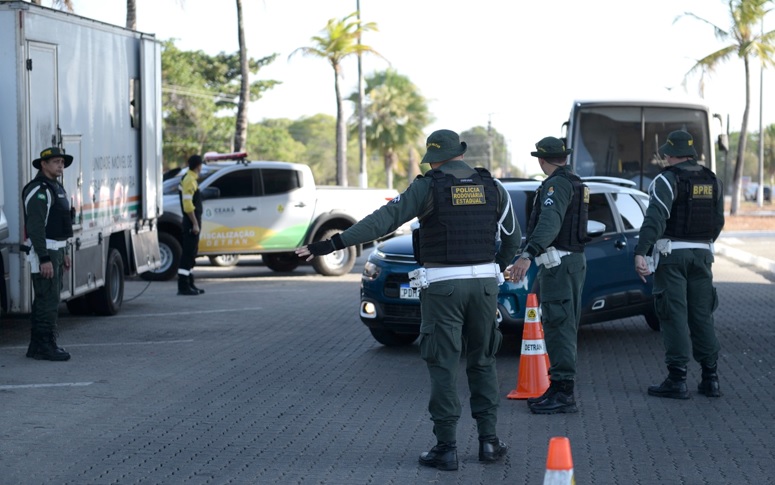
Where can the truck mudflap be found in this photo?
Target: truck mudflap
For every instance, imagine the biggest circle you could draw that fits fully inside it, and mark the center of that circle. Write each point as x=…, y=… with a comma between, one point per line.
x=145, y=249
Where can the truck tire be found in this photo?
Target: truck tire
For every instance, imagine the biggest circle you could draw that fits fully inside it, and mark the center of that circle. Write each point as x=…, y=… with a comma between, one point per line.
x=281, y=262
x=170, y=250
x=224, y=260
x=79, y=306
x=337, y=263
x=107, y=300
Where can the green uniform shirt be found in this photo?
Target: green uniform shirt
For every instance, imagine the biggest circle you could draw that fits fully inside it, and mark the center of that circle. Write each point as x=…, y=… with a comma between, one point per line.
x=38, y=200
x=554, y=196
x=662, y=194
x=417, y=201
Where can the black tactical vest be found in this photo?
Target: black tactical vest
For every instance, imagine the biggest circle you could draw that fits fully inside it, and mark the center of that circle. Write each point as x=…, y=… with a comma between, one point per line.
x=573, y=233
x=693, y=216
x=59, y=223
x=462, y=227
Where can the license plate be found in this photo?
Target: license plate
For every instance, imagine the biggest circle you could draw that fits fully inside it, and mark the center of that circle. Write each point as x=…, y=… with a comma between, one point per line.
x=409, y=293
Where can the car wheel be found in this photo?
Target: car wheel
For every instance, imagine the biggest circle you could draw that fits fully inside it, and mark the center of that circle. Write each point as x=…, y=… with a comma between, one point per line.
x=107, y=300
x=652, y=321
x=224, y=260
x=281, y=262
x=171, y=251
x=337, y=263
x=393, y=339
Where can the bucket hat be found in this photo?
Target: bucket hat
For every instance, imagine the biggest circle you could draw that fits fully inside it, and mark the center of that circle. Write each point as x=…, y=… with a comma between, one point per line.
x=52, y=152
x=551, y=147
x=443, y=145
x=679, y=144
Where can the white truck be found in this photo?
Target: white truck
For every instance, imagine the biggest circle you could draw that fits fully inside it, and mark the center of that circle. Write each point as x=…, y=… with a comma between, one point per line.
x=264, y=208
x=95, y=90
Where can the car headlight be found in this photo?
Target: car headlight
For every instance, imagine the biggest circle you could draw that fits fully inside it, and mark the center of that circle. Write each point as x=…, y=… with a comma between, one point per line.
x=370, y=271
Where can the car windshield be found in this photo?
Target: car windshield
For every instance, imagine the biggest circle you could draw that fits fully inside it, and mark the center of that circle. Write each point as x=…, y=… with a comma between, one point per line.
x=171, y=184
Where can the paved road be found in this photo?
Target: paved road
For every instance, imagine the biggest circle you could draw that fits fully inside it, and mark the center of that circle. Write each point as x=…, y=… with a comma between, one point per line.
x=272, y=379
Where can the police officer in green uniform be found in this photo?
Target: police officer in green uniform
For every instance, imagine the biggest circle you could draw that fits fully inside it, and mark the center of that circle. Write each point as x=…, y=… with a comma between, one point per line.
x=191, y=208
x=48, y=223
x=684, y=218
x=556, y=235
x=462, y=212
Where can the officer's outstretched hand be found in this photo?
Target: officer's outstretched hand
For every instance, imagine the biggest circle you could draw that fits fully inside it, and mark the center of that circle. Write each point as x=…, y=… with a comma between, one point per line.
x=321, y=248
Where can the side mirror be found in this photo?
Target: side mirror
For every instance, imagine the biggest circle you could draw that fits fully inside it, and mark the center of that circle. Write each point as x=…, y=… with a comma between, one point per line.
x=595, y=228
x=723, y=142
x=211, y=193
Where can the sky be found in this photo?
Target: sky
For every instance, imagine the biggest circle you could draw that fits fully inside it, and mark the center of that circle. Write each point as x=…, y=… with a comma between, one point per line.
x=516, y=64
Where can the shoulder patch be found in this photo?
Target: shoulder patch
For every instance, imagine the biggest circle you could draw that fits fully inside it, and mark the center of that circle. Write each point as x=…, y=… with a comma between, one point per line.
x=550, y=191
x=42, y=196
x=395, y=199
x=548, y=202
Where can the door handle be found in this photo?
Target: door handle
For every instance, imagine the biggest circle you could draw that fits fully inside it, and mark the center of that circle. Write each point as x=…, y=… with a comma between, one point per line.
x=249, y=208
x=300, y=204
x=620, y=244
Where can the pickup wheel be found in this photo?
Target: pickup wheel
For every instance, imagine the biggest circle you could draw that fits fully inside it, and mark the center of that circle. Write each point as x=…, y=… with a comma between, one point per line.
x=108, y=299
x=224, y=260
x=281, y=262
x=170, y=250
x=390, y=338
x=337, y=263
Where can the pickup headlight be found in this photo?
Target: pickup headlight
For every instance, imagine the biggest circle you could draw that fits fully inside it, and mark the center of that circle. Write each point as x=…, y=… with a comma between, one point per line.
x=370, y=271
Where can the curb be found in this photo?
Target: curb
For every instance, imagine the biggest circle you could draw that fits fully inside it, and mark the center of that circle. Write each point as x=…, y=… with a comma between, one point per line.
x=744, y=257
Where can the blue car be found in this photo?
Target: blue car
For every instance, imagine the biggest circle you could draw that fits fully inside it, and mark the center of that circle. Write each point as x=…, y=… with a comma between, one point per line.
x=612, y=289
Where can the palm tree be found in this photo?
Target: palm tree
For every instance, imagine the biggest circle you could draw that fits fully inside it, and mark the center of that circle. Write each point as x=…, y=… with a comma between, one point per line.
x=241, y=130
x=337, y=41
x=395, y=115
x=746, y=17
x=131, y=14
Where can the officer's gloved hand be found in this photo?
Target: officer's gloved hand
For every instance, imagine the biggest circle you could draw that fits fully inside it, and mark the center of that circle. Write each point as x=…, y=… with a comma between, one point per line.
x=326, y=246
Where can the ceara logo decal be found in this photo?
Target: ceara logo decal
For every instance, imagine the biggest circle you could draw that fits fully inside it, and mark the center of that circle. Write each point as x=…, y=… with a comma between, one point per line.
x=280, y=208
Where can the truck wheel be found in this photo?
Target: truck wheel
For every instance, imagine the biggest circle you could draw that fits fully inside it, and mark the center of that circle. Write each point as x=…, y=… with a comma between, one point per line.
x=389, y=338
x=337, y=263
x=281, y=262
x=107, y=300
x=79, y=306
x=224, y=260
x=170, y=250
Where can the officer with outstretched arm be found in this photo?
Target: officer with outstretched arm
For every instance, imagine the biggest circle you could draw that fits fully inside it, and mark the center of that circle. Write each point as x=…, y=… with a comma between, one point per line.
x=463, y=213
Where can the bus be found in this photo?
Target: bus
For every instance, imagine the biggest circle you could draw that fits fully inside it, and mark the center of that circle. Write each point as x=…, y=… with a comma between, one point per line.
x=621, y=138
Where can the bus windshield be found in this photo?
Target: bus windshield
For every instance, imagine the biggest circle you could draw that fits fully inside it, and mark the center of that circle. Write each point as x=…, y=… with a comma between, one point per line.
x=623, y=141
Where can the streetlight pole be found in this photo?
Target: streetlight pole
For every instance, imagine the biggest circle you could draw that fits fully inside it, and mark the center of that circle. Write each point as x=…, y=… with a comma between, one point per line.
x=760, y=188
x=362, y=176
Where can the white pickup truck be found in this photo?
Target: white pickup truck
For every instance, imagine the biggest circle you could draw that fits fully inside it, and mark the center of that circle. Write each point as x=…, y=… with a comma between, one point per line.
x=266, y=208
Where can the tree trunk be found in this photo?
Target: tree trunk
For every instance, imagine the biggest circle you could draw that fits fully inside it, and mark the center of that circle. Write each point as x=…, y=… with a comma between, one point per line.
x=738, y=175
x=241, y=131
x=390, y=163
x=131, y=14
x=341, y=133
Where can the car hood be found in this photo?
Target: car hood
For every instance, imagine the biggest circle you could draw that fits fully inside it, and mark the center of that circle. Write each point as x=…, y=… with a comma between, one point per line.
x=401, y=245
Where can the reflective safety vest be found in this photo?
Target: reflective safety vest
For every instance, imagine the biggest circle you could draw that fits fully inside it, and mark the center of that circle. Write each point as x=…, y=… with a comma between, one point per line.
x=573, y=233
x=693, y=216
x=463, y=225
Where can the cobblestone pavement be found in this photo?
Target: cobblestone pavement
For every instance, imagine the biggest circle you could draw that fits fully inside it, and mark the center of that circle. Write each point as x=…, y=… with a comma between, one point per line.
x=272, y=379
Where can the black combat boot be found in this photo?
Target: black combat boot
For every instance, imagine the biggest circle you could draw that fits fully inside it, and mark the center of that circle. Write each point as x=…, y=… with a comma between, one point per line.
x=184, y=287
x=550, y=391
x=491, y=448
x=191, y=284
x=47, y=348
x=674, y=386
x=709, y=384
x=442, y=456
x=560, y=401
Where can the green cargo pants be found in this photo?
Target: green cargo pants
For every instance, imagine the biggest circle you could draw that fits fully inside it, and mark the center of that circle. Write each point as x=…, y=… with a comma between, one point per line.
x=684, y=299
x=560, y=295
x=458, y=314
x=45, y=306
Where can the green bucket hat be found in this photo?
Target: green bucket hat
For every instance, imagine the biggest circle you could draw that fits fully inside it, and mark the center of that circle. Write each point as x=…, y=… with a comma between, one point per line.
x=443, y=145
x=52, y=152
x=551, y=147
x=679, y=144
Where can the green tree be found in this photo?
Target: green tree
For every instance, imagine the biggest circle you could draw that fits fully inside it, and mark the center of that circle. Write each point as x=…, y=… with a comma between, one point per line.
x=480, y=141
x=317, y=134
x=336, y=42
x=272, y=140
x=395, y=114
x=745, y=41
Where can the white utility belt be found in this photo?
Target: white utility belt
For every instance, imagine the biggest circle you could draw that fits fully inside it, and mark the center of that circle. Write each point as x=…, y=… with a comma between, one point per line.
x=665, y=246
x=551, y=257
x=422, y=277
x=54, y=244
x=32, y=256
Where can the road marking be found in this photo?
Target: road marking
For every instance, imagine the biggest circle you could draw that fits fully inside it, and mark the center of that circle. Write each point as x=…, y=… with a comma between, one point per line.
x=36, y=386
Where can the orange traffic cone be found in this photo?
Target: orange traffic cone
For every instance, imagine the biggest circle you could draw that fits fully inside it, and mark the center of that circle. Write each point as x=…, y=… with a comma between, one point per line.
x=533, y=377
x=559, y=464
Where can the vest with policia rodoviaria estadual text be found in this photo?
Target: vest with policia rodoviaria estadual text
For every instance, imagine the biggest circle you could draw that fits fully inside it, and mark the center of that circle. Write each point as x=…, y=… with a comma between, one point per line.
x=463, y=225
x=573, y=233
x=693, y=216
